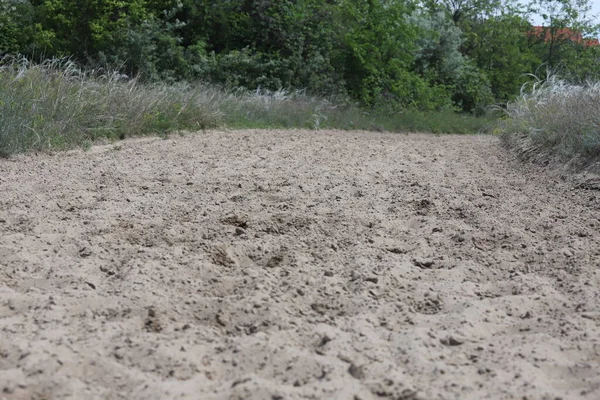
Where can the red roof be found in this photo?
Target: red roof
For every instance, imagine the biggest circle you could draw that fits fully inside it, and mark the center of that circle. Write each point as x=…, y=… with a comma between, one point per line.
x=563, y=34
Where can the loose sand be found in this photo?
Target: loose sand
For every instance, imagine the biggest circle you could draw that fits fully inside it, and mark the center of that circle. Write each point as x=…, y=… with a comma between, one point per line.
x=297, y=265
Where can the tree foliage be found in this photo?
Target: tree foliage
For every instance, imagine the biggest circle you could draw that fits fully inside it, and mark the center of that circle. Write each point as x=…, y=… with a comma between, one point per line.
x=428, y=54
x=559, y=45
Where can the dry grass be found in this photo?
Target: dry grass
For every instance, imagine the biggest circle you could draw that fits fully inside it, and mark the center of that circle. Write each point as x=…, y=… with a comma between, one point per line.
x=56, y=105
x=557, y=120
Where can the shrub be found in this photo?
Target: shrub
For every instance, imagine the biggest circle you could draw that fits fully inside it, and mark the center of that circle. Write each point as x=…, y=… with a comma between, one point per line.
x=472, y=91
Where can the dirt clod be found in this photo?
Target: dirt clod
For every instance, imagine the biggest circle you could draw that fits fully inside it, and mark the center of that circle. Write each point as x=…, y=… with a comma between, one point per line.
x=90, y=284
x=152, y=322
x=423, y=263
x=356, y=371
x=452, y=341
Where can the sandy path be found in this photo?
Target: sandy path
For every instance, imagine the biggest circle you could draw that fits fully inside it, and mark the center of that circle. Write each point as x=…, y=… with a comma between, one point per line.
x=296, y=265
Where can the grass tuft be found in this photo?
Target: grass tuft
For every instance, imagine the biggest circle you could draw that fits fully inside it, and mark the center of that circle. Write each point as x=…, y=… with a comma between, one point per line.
x=556, y=119
x=55, y=105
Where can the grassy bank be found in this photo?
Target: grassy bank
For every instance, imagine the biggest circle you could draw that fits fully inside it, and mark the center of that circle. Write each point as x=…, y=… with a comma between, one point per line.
x=55, y=105
x=297, y=110
x=556, y=120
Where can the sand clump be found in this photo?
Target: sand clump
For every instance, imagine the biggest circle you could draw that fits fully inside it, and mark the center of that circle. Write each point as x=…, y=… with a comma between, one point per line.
x=296, y=265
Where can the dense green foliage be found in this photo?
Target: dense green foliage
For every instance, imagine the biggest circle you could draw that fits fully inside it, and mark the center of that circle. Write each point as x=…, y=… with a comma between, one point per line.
x=385, y=54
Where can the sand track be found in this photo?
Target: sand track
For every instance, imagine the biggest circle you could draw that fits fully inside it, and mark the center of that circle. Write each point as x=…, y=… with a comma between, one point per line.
x=296, y=265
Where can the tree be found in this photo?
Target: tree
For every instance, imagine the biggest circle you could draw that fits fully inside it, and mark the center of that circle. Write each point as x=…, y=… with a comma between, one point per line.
x=565, y=24
x=136, y=36
x=440, y=61
x=461, y=10
x=377, y=49
x=500, y=48
x=19, y=30
x=9, y=29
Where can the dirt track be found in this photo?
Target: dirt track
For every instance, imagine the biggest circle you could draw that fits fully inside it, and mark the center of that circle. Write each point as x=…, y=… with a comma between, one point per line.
x=296, y=265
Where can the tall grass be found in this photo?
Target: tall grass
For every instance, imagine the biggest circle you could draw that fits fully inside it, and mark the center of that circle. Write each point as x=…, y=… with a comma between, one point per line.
x=282, y=109
x=56, y=105
x=556, y=119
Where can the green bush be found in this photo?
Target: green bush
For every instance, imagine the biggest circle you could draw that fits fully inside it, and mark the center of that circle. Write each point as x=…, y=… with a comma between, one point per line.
x=472, y=92
x=149, y=50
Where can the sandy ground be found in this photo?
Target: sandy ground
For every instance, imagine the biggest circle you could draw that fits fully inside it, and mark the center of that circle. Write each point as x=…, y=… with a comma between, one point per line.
x=297, y=265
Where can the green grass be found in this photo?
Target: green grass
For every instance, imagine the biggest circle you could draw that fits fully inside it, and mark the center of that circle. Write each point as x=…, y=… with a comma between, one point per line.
x=554, y=119
x=55, y=105
x=297, y=110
